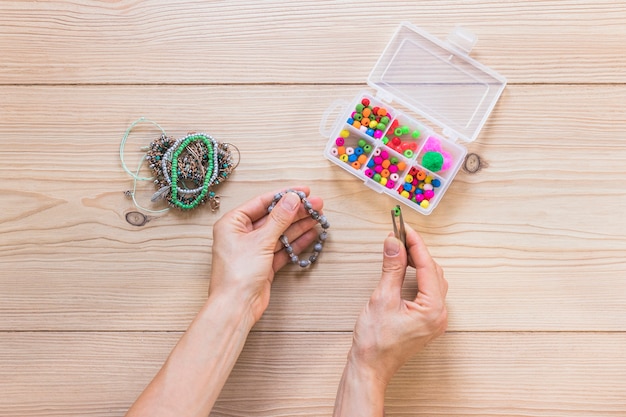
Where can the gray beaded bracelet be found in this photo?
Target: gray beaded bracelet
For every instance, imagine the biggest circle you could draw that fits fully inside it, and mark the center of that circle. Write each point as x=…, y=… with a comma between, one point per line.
x=321, y=219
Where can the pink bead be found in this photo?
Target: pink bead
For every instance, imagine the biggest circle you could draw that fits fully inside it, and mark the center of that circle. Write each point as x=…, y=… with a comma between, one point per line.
x=384, y=154
x=428, y=194
x=378, y=134
x=334, y=152
x=378, y=160
x=369, y=173
x=390, y=184
x=393, y=168
x=378, y=169
x=419, y=198
x=339, y=141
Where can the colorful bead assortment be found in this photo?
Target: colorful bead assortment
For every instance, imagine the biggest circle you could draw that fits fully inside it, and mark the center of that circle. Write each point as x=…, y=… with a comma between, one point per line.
x=356, y=156
x=371, y=120
x=399, y=154
x=403, y=139
x=384, y=168
x=419, y=187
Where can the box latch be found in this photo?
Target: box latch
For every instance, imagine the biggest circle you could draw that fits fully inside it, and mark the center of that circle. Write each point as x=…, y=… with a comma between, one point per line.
x=462, y=39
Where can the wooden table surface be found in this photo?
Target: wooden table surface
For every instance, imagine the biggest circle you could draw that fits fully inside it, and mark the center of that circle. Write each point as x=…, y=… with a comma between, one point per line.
x=533, y=244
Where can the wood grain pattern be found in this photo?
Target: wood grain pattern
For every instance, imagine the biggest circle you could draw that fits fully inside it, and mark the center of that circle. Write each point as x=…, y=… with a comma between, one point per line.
x=533, y=243
x=198, y=42
x=96, y=271
x=287, y=374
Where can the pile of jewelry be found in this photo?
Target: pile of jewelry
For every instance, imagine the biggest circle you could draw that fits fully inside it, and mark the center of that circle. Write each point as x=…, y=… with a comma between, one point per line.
x=315, y=215
x=187, y=169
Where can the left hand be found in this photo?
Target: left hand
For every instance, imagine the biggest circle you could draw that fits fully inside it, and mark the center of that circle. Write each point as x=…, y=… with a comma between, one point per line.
x=247, y=252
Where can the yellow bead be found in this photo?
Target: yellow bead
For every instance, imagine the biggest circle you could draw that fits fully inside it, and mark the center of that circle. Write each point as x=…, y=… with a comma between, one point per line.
x=344, y=133
x=424, y=204
x=373, y=124
x=344, y=157
x=405, y=194
x=428, y=179
x=408, y=178
x=383, y=181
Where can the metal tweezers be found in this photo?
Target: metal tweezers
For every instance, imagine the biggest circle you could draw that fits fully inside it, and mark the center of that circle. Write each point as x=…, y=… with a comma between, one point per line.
x=398, y=224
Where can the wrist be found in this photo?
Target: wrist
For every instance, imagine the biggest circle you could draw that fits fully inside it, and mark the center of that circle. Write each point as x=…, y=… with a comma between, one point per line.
x=360, y=392
x=230, y=310
x=366, y=374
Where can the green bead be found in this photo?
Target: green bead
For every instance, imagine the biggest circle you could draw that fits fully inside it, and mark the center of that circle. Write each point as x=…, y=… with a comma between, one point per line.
x=416, y=134
x=359, y=108
x=385, y=140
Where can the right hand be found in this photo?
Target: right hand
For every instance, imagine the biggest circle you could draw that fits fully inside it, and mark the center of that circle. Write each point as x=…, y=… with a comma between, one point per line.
x=390, y=329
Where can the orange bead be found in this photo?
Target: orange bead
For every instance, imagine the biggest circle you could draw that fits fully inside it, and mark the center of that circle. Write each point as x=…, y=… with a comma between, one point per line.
x=362, y=159
x=365, y=122
x=366, y=112
x=385, y=173
x=386, y=163
x=421, y=175
x=356, y=165
x=356, y=124
x=382, y=112
x=401, y=166
x=341, y=150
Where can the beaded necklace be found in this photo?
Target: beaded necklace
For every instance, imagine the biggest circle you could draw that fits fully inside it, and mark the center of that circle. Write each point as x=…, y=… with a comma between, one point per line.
x=315, y=215
x=185, y=170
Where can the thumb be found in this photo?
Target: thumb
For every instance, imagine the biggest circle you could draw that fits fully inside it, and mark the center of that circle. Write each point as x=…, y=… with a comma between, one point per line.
x=281, y=216
x=394, y=265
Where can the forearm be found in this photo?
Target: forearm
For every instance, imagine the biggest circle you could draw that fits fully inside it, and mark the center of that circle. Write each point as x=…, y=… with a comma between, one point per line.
x=360, y=393
x=192, y=378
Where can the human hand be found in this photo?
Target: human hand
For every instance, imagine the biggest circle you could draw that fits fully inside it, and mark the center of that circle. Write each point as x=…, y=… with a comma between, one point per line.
x=390, y=329
x=247, y=252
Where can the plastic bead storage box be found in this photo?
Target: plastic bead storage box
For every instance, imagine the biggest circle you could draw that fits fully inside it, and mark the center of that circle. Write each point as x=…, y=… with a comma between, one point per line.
x=389, y=149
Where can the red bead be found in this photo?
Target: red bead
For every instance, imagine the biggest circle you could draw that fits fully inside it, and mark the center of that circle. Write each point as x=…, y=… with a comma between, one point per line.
x=365, y=102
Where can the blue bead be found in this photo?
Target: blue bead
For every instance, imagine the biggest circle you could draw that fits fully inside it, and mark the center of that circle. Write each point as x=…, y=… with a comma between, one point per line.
x=435, y=182
x=408, y=186
x=371, y=164
x=358, y=151
x=419, y=191
x=350, y=121
x=370, y=132
x=352, y=158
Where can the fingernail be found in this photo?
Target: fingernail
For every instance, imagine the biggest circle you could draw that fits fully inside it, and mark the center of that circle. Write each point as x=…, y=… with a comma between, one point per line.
x=392, y=246
x=290, y=201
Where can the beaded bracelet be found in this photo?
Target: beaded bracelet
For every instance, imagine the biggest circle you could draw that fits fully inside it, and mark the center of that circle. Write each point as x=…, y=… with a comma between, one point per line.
x=321, y=219
x=185, y=170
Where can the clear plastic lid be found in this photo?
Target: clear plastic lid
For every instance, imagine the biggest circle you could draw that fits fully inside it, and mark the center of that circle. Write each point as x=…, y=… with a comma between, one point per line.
x=438, y=80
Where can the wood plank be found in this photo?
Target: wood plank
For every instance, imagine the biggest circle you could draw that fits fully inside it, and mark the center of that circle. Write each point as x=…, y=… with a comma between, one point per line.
x=199, y=42
x=535, y=237
x=287, y=374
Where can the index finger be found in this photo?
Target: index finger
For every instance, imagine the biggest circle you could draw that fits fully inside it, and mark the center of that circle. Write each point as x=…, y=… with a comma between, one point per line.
x=425, y=266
